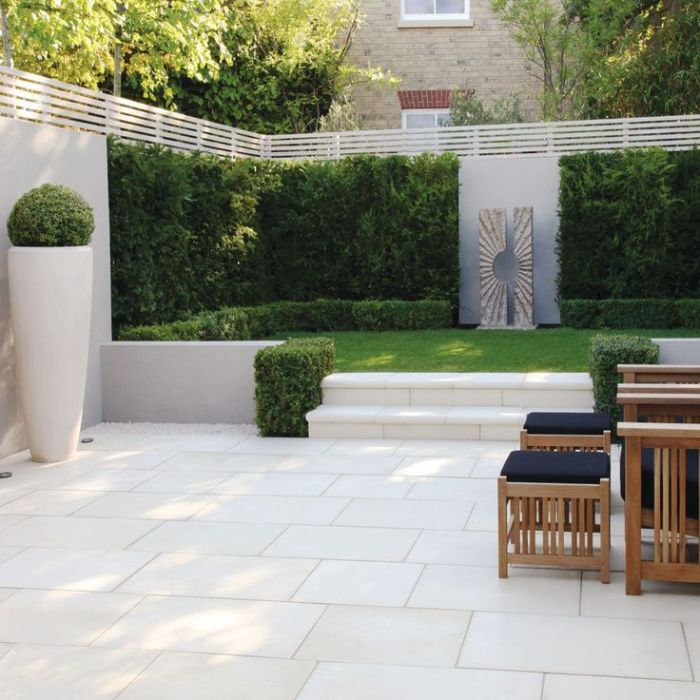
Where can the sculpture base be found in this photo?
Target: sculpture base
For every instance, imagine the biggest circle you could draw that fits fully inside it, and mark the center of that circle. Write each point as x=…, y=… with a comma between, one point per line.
x=506, y=328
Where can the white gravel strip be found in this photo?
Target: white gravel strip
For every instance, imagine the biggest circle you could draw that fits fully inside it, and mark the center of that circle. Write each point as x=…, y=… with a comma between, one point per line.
x=171, y=429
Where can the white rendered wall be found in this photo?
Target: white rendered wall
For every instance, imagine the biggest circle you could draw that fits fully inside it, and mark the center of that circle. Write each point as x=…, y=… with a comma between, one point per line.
x=180, y=382
x=31, y=155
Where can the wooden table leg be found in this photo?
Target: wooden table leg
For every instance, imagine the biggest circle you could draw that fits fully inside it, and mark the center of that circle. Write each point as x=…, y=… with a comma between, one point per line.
x=633, y=516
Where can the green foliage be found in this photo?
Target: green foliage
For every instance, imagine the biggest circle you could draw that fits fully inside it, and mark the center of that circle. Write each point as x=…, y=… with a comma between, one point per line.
x=288, y=384
x=628, y=225
x=255, y=322
x=637, y=313
x=468, y=110
x=642, y=58
x=364, y=227
x=579, y=313
x=688, y=313
x=51, y=215
x=79, y=40
x=630, y=313
x=400, y=315
x=608, y=351
x=191, y=233
x=548, y=33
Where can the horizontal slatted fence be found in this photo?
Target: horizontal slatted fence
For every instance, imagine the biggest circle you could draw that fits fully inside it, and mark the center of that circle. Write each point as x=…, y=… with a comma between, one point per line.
x=34, y=98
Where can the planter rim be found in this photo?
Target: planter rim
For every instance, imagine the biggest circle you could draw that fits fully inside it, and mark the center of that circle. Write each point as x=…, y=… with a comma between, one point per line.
x=53, y=248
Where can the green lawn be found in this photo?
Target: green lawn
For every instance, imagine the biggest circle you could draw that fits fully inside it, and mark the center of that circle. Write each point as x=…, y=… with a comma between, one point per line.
x=456, y=350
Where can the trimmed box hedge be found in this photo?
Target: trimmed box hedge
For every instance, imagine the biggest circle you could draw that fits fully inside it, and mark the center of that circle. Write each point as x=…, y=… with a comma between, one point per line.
x=254, y=322
x=605, y=354
x=288, y=384
x=630, y=313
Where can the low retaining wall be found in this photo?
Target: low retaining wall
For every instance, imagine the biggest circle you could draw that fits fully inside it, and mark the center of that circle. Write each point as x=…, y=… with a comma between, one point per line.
x=181, y=382
x=678, y=351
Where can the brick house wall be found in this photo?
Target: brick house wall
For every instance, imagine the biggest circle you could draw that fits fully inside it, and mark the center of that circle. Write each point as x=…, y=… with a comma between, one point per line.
x=432, y=61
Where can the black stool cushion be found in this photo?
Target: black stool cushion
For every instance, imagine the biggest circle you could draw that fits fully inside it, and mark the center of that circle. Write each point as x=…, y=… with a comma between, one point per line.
x=691, y=476
x=567, y=423
x=556, y=467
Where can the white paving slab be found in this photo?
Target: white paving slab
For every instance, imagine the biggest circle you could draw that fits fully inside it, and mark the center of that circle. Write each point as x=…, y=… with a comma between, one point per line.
x=381, y=635
x=660, y=600
x=181, y=482
x=692, y=635
x=182, y=676
x=125, y=459
x=275, y=484
x=250, y=628
x=60, y=617
x=542, y=591
x=110, y=480
x=362, y=486
x=305, y=510
x=70, y=569
x=428, y=515
x=75, y=532
x=456, y=547
x=189, y=443
x=208, y=538
x=281, y=446
x=364, y=448
x=436, y=466
x=452, y=489
x=336, y=542
x=49, y=503
x=38, y=672
x=212, y=576
x=334, y=463
x=558, y=687
x=355, y=681
x=359, y=583
x=151, y=506
x=577, y=645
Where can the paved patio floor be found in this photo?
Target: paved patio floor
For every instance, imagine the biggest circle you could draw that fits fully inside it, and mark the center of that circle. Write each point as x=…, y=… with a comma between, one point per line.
x=217, y=566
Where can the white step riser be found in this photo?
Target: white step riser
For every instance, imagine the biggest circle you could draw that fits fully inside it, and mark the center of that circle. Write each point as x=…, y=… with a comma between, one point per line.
x=528, y=398
x=442, y=406
x=412, y=431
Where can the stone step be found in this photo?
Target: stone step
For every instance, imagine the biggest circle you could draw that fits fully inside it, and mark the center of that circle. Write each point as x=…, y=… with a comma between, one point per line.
x=507, y=389
x=421, y=422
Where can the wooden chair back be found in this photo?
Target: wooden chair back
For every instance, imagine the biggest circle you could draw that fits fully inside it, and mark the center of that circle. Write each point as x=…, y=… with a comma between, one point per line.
x=653, y=374
x=671, y=526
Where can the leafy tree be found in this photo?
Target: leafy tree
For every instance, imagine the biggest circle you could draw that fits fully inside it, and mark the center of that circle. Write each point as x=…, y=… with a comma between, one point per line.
x=288, y=67
x=468, y=110
x=88, y=41
x=548, y=32
x=642, y=58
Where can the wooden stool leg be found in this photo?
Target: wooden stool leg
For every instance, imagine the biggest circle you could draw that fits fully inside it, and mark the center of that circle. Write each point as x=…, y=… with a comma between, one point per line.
x=605, y=530
x=502, y=528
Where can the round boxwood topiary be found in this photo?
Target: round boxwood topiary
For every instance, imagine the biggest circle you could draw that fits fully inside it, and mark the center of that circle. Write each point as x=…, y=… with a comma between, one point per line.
x=51, y=215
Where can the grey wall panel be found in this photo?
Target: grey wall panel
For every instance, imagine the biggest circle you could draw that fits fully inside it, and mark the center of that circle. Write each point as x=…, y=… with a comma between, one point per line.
x=508, y=183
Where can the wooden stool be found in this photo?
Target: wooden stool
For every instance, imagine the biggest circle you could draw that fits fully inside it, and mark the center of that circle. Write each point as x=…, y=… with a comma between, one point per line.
x=565, y=496
x=567, y=431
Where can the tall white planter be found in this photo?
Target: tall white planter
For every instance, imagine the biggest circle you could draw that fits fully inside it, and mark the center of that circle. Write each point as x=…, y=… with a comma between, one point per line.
x=51, y=298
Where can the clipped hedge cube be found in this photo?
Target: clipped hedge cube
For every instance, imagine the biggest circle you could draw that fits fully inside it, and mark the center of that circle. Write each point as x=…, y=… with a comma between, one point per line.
x=688, y=313
x=606, y=353
x=288, y=384
x=637, y=313
x=579, y=313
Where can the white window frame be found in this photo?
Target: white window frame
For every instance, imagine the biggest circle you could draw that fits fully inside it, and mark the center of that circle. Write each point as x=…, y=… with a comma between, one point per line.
x=430, y=110
x=434, y=16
